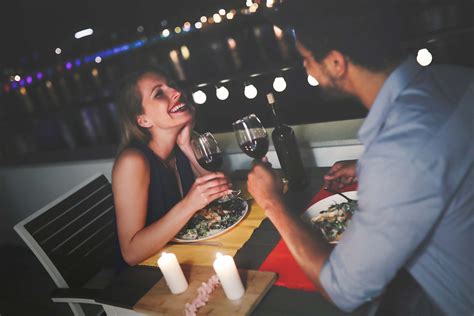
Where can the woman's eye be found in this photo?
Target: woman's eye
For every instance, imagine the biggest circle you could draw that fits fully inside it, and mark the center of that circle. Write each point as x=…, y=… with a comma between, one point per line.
x=158, y=93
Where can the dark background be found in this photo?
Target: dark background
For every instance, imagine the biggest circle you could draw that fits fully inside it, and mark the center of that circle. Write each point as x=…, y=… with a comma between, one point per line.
x=71, y=114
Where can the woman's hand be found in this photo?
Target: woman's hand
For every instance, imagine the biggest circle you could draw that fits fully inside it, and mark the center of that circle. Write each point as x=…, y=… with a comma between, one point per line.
x=207, y=189
x=341, y=174
x=184, y=136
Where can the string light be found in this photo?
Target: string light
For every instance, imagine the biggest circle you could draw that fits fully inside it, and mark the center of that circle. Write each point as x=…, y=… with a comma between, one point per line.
x=98, y=59
x=198, y=25
x=222, y=93
x=203, y=19
x=312, y=81
x=177, y=30
x=253, y=8
x=165, y=33
x=17, y=78
x=250, y=91
x=58, y=51
x=229, y=16
x=199, y=97
x=424, y=57
x=186, y=27
x=279, y=84
x=217, y=18
x=222, y=12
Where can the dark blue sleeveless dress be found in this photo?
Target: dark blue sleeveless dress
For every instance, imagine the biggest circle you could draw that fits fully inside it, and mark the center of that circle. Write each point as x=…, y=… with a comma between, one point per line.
x=163, y=191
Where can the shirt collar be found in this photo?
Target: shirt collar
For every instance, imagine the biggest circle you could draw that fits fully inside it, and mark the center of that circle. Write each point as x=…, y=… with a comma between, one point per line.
x=396, y=82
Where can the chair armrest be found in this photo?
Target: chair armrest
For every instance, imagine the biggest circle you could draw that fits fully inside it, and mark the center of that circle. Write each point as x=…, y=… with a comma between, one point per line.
x=75, y=295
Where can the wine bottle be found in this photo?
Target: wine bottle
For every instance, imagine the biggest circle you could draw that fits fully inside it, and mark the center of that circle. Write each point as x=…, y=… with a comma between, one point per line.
x=287, y=150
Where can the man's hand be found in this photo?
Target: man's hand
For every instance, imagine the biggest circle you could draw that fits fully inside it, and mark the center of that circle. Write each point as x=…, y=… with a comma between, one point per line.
x=264, y=185
x=342, y=173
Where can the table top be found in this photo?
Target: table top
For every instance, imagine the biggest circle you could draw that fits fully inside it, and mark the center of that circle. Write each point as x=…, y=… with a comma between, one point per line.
x=134, y=282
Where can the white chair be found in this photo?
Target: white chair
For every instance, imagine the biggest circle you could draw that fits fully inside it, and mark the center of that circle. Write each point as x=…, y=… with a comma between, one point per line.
x=74, y=239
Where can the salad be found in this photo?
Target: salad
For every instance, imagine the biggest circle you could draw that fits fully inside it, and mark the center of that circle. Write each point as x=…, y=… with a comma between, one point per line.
x=334, y=220
x=213, y=219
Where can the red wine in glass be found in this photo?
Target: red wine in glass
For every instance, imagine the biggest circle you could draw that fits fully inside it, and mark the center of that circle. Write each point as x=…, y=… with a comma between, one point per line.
x=213, y=162
x=251, y=136
x=256, y=148
x=209, y=156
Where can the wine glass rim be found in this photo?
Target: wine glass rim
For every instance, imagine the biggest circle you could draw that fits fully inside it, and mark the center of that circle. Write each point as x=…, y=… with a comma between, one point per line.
x=197, y=136
x=239, y=121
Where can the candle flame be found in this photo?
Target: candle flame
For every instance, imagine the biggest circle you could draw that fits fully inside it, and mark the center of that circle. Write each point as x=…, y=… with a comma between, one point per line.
x=218, y=255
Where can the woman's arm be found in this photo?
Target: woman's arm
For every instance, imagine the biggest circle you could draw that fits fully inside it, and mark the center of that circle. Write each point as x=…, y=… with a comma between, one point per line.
x=130, y=182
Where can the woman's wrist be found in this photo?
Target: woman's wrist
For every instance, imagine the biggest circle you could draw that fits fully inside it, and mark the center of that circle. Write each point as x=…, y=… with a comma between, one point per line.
x=186, y=206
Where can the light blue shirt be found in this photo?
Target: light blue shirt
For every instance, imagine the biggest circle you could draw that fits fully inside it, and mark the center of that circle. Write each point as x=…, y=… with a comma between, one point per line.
x=416, y=192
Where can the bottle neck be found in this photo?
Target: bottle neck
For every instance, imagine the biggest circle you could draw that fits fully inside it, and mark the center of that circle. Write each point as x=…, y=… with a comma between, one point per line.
x=276, y=115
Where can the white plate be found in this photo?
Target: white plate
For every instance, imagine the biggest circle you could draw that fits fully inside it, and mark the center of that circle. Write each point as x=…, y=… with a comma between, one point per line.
x=243, y=202
x=325, y=203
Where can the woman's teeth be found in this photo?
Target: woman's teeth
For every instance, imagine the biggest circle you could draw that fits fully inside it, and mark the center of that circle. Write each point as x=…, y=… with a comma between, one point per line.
x=177, y=108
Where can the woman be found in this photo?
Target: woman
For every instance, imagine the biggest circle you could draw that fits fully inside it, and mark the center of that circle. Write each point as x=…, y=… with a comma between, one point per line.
x=156, y=180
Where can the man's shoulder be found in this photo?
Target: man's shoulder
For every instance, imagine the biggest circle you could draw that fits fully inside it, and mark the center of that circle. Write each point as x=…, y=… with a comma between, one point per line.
x=422, y=110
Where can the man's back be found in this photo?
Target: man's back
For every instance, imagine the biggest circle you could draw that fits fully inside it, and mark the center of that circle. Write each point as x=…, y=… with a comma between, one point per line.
x=415, y=197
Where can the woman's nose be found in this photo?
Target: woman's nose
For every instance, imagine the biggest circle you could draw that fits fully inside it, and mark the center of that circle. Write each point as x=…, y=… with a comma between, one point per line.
x=175, y=95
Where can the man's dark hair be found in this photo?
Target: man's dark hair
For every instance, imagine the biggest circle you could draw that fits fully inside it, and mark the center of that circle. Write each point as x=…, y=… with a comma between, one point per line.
x=368, y=32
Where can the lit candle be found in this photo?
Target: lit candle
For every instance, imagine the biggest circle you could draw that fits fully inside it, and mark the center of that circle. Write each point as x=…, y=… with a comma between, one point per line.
x=229, y=276
x=172, y=273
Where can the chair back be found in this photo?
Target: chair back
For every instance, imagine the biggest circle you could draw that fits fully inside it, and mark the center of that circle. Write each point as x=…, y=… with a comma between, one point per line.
x=74, y=236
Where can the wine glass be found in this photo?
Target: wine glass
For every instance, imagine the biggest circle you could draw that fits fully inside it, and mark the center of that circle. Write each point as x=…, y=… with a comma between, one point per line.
x=210, y=157
x=251, y=136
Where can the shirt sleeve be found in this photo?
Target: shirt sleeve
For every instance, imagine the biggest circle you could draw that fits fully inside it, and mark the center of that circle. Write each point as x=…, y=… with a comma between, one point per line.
x=399, y=204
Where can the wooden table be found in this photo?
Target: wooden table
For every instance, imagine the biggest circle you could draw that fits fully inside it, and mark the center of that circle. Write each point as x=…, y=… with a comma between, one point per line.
x=134, y=282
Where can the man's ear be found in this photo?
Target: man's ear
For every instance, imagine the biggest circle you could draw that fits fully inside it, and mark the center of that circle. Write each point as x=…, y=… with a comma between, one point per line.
x=144, y=122
x=336, y=63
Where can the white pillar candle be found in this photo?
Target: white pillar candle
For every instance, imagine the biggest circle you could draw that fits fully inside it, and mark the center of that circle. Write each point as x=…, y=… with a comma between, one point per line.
x=172, y=273
x=229, y=276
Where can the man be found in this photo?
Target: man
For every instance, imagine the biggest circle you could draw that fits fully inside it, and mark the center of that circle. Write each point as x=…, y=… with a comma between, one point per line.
x=415, y=177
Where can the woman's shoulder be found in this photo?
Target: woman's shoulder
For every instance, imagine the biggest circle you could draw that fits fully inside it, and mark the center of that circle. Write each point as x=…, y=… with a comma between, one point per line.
x=131, y=158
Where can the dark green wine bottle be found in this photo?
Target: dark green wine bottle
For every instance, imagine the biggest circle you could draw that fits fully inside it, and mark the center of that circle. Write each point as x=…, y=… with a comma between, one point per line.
x=287, y=150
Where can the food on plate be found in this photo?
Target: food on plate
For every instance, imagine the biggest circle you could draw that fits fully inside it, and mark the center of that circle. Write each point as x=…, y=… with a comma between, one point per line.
x=334, y=220
x=213, y=219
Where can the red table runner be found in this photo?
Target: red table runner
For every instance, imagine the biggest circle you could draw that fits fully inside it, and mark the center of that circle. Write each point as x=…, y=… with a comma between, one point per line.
x=281, y=261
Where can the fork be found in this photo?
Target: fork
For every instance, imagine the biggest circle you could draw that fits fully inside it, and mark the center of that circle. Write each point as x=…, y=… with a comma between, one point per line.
x=337, y=192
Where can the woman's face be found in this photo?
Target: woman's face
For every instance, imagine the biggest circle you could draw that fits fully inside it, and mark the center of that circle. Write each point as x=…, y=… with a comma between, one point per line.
x=164, y=107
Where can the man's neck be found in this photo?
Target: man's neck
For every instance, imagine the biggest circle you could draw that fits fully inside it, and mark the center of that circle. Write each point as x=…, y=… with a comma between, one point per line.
x=366, y=84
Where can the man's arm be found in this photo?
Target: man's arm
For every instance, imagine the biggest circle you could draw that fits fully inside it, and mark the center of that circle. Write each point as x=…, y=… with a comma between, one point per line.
x=307, y=246
x=399, y=205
